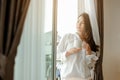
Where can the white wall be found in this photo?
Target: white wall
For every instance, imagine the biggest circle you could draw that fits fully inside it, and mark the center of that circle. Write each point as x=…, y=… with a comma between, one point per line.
x=111, y=62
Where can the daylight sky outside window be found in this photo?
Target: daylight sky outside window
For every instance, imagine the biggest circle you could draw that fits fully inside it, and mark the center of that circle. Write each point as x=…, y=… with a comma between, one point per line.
x=66, y=16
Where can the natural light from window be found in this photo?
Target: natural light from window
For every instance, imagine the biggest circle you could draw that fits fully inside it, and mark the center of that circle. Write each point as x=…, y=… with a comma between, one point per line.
x=66, y=16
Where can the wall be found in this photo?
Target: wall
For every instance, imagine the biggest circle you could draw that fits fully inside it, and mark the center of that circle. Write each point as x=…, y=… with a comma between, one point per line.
x=111, y=62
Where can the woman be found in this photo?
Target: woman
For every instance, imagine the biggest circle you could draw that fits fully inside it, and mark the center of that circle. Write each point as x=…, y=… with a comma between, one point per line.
x=78, y=52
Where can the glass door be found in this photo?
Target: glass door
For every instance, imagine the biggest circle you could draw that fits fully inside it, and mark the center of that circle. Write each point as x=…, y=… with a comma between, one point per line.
x=67, y=13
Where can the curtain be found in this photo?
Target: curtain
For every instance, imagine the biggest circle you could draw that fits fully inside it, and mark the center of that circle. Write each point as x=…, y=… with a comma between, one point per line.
x=34, y=56
x=95, y=10
x=12, y=17
x=27, y=63
x=99, y=13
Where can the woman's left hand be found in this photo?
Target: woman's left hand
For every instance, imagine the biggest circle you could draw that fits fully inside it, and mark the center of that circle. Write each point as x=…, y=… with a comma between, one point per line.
x=87, y=47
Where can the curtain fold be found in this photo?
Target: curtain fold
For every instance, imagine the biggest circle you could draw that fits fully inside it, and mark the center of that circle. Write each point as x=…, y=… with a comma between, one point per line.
x=99, y=13
x=31, y=61
x=12, y=17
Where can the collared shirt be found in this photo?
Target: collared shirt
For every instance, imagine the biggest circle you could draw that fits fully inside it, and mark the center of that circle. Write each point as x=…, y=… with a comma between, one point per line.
x=77, y=65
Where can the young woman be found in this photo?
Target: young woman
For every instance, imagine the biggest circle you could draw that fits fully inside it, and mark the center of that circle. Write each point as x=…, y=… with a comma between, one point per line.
x=78, y=52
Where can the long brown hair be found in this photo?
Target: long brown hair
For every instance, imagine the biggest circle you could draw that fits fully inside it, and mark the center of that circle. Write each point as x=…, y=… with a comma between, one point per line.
x=88, y=36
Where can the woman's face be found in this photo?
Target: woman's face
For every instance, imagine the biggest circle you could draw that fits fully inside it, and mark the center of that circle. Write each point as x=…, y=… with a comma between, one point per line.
x=80, y=25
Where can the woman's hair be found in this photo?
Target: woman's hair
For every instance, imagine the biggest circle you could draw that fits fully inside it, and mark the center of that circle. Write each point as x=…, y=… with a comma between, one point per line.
x=88, y=36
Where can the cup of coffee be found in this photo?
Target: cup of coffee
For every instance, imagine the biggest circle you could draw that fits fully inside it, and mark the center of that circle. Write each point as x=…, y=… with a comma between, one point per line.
x=77, y=44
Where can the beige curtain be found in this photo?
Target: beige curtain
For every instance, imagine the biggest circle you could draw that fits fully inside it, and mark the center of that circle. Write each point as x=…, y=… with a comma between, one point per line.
x=12, y=17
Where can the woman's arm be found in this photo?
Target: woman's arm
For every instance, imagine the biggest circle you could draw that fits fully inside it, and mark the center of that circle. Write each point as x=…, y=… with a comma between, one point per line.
x=72, y=51
x=91, y=57
x=61, y=49
x=87, y=48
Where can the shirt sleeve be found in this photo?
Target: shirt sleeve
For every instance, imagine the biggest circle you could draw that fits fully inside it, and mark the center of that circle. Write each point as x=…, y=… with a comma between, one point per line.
x=61, y=48
x=91, y=59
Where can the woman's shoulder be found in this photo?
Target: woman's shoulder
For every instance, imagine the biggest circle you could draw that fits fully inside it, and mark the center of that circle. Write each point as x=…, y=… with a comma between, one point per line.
x=69, y=35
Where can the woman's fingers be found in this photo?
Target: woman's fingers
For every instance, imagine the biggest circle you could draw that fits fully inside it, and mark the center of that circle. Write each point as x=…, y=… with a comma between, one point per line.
x=76, y=50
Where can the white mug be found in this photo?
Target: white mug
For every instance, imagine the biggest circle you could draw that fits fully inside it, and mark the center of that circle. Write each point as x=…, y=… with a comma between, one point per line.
x=77, y=43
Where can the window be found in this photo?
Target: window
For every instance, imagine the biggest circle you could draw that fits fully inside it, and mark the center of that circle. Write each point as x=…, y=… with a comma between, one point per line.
x=67, y=13
x=67, y=16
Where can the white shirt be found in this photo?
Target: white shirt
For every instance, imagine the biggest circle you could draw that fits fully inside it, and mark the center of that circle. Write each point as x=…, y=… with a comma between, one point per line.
x=77, y=66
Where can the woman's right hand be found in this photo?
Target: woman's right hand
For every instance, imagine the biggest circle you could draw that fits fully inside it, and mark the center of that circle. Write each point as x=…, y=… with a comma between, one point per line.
x=73, y=51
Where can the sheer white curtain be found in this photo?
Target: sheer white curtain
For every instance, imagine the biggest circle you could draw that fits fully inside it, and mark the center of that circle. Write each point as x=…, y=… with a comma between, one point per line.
x=30, y=59
x=90, y=9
